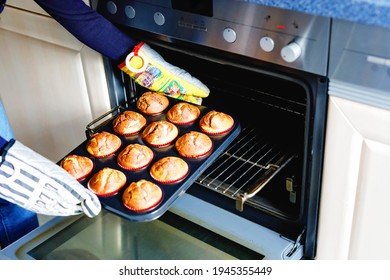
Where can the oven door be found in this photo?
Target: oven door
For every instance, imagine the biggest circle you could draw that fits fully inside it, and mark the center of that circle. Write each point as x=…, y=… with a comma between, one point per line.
x=177, y=235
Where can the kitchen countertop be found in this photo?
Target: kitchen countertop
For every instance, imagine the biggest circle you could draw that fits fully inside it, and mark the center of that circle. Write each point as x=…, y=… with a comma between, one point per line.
x=372, y=12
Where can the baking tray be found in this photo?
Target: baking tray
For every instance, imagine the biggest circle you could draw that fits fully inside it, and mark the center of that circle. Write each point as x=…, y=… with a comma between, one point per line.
x=170, y=191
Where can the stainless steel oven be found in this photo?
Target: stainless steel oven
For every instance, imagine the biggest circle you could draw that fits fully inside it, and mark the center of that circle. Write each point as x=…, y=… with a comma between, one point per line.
x=260, y=198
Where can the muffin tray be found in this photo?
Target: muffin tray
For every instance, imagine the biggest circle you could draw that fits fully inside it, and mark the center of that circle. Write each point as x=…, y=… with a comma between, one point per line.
x=170, y=191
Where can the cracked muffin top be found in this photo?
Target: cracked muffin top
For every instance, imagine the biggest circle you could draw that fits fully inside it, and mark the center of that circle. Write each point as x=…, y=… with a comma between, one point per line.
x=128, y=123
x=152, y=103
x=103, y=144
x=193, y=144
x=160, y=133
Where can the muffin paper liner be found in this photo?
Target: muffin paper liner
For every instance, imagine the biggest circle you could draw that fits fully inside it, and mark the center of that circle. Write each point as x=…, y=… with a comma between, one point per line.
x=136, y=168
x=85, y=176
x=130, y=134
x=105, y=156
x=144, y=209
x=160, y=145
x=106, y=194
x=197, y=155
x=151, y=114
x=217, y=133
x=182, y=123
x=171, y=181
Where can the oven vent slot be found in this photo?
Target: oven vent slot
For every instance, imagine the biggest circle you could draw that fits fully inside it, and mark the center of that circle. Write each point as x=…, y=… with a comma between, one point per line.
x=245, y=168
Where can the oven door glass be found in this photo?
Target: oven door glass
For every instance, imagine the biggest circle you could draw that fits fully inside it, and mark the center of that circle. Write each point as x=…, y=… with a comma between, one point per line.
x=110, y=237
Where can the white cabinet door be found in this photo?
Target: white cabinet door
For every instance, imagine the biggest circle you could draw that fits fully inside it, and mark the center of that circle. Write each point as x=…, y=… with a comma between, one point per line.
x=354, y=211
x=52, y=85
x=30, y=5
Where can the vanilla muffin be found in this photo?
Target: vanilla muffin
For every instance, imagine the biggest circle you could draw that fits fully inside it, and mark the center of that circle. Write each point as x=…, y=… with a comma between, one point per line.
x=193, y=144
x=216, y=123
x=169, y=170
x=128, y=123
x=152, y=103
x=77, y=166
x=183, y=113
x=107, y=182
x=160, y=133
x=103, y=144
x=141, y=196
x=135, y=156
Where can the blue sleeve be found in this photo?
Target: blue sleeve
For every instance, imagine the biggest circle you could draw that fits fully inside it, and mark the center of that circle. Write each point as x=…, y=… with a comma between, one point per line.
x=89, y=27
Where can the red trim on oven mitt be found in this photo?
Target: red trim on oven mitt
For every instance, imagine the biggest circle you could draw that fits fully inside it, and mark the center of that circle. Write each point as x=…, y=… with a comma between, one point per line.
x=150, y=70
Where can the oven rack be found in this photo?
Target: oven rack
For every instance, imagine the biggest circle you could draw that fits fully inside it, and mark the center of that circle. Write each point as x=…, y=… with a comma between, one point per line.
x=245, y=168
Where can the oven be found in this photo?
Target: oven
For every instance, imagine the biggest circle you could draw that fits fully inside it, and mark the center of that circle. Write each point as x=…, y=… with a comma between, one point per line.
x=260, y=198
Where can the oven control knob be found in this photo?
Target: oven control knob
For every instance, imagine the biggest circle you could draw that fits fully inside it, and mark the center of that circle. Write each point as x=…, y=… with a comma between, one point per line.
x=111, y=7
x=130, y=12
x=159, y=18
x=267, y=44
x=229, y=35
x=291, y=52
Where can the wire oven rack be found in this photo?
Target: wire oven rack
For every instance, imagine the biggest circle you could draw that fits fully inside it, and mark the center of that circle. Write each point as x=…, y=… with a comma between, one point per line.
x=245, y=168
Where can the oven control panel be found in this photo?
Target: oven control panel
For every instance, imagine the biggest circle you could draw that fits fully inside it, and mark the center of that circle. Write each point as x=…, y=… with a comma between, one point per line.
x=283, y=37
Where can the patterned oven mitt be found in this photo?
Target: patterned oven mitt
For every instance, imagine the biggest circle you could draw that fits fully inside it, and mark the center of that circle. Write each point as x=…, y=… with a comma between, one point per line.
x=39, y=185
x=150, y=70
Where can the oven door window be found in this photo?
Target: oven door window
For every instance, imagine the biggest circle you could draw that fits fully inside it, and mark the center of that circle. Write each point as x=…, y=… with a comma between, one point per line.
x=110, y=237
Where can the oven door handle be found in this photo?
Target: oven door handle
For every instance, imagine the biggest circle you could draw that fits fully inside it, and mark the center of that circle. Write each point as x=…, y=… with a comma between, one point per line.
x=95, y=124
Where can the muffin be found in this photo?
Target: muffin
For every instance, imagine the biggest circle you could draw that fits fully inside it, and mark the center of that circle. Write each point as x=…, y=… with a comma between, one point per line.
x=128, y=123
x=193, y=144
x=183, y=113
x=216, y=123
x=160, y=133
x=107, y=181
x=152, y=103
x=141, y=196
x=77, y=166
x=169, y=170
x=103, y=144
x=135, y=156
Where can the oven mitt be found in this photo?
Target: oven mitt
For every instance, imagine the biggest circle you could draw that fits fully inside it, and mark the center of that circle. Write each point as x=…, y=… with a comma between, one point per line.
x=41, y=186
x=150, y=70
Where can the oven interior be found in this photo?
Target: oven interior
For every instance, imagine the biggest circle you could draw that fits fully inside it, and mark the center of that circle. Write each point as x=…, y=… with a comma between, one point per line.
x=264, y=175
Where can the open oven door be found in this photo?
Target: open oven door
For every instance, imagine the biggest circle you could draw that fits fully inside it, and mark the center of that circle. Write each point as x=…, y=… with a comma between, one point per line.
x=177, y=235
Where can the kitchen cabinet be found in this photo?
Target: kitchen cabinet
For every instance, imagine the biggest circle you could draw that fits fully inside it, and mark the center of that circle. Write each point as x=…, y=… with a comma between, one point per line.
x=52, y=85
x=30, y=6
x=354, y=206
